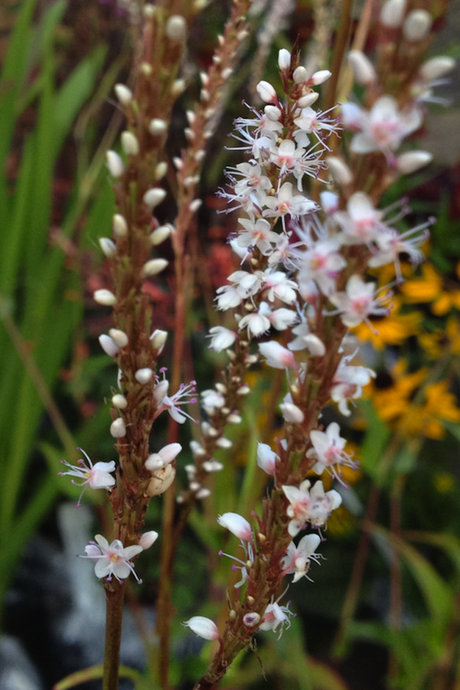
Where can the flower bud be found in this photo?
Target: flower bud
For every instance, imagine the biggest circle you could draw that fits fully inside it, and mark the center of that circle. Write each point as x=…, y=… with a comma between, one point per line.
x=308, y=100
x=129, y=143
x=417, y=25
x=154, y=266
x=143, y=375
x=226, y=73
x=161, y=481
x=339, y=170
x=251, y=619
x=176, y=28
x=115, y=164
x=212, y=466
x=284, y=59
x=119, y=225
x=292, y=413
x=158, y=339
x=266, y=92
x=203, y=493
x=362, y=67
x=148, y=539
x=108, y=345
x=154, y=196
x=119, y=337
x=161, y=170
x=105, y=297
x=314, y=345
x=149, y=11
x=223, y=442
x=236, y=524
x=272, y=112
x=119, y=401
x=108, y=247
x=178, y=87
x=329, y=202
x=320, y=77
x=203, y=627
x=118, y=428
x=392, y=13
x=300, y=75
x=160, y=391
x=411, y=161
x=157, y=127
x=124, y=95
x=160, y=234
x=436, y=68
x=195, y=205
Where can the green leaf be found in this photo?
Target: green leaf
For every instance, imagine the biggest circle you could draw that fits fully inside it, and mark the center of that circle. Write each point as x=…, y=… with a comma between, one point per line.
x=375, y=441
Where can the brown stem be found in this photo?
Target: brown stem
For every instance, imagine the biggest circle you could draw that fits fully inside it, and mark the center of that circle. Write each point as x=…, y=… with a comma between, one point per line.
x=341, y=43
x=115, y=594
x=395, y=571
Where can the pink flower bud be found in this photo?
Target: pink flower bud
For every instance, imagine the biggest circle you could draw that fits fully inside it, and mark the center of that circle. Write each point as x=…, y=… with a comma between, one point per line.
x=148, y=539
x=266, y=92
x=308, y=100
x=320, y=77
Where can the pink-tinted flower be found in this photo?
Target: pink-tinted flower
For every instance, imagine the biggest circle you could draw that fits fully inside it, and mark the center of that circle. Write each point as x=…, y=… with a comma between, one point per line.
x=221, y=338
x=266, y=458
x=358, y=302
x=309, y=505
x=328, y=450
x=297, y=558
x=237, y=525
x=96, y=476
x=112, y=559
x=348, y=384
x=203, y=627
x=275, y=616
x=276, y=355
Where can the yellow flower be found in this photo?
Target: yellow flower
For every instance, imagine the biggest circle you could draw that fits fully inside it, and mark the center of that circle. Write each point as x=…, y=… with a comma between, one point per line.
x=441, y=342
x=429, y=288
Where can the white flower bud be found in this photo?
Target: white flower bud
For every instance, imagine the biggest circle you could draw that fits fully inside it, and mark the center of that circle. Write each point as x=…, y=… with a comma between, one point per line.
x=236, y=524
x=436, y=68
x=199, y=155
x=178, y=87
x=203, y=627
x=314, y=345
x=154, y=196
x=129, y=143
x=339, y=170
x=362, y=67
x=118, y=428
x=417, y=25
x=308, y=100
x=212, y=466
x=161, y=480
x=284, y=59
x=146, y=69
x=119, y=401
x=157, y=127
x=195, y=205
x=329, y=202
x=158, y=339
x=203, y=493
x=149, y=11
x=223, y=442
x=234, y=418
x=300, y=75
x=320, y=77
x=143, y=375
x=392, y=13
x=272, y=112
x=226, y=73
x=160, y=234
x=119, y=225
x=105, y=297
x=154, y=266
x=411, y=161
x=292, y=413
x=154, y=462
x=191, y=116
x=266, y=92
x=176, y=28
x=108, y=247
x=251, y=619
x=124, y=95
x=161, y=170
x=148, y=539
x=160, y=391
x=108, y=345
x=119, y=337
x=115, y=164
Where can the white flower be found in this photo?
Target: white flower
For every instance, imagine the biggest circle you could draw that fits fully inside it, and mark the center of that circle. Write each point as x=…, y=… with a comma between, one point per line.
x=348, y=383
x=309, y=505
x=384, y=127
x=258, y=234
x=203, y=627
x=279, y=286
x=297, y=558
x=291, y=412
x=96, y=476
x=112, y=559
x=274, y=616
x=321, y=263
x=228, y=297
x=148, y=539
x=284, y=203
x=266, y=92
x=172, y=403
x=237, y=525
x=257, y=322
x=358, y=302
x=361, y=222
x=212, y=401
x=276, y=355
x=221, y=338
x=328, y=450
x=266, y=458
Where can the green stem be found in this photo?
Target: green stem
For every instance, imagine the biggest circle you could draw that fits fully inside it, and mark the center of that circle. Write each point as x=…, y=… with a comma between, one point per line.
x=115, y=597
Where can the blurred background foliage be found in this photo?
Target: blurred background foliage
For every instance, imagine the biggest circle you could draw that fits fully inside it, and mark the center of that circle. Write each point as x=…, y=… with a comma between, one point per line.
x=384, y=607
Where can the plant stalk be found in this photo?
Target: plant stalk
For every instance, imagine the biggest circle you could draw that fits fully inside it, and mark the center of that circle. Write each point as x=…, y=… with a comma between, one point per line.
x=115, y=595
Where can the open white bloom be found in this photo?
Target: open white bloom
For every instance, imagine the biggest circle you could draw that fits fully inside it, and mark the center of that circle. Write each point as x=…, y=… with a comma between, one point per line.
x=328, y=450
x=285, y=202
x=212, y=401
x=297, y=558
x=172, y=403
x=321, y=263
x=258, y=233
x=361, y=222
x=274, y=616
x=203, y=627
x=358, y=302
x=385, y=126
x=348, y=384
x=309, y=505
x=97, y=476
x=112, y=559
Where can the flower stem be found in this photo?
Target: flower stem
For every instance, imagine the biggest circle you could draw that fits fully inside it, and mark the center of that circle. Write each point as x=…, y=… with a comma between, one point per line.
x=115, y=594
